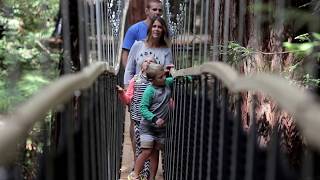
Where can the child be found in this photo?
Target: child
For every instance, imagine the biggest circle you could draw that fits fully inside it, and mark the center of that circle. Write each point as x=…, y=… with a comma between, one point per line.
x=155, y=113
x=133, y=96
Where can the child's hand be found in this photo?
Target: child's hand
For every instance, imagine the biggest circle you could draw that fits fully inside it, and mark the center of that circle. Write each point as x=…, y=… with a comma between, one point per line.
x=160, y=122
x=120, y=89
x=169, y=66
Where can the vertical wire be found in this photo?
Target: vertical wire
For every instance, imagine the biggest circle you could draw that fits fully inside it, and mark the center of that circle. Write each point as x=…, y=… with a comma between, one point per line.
x=235, y=139
x=86, y=32
x=194, y=32
x=103, y=127
x=84, y=133
x=92, y=139
x=98, y=25
x=184, y=117
x=188, y=33
x=201, y=32
x=226, y=29
x=176, y=136
x=82, y=34
x=69, y=118
x=180, y=128
x=67, y=130
x=109, y=35
x=111, y=45
x=189, y=130
x=109, y=133
x=96, y=129
x=112, y=130
x=196, y=128
x=223, y=119
x=92, y=33
x=212, y=117
x=180, y=34
x=206, y=26
x=175, y=124
x=103, y=34
x=66, y=37
x=170, y=136
x=99, y=128
x=216, y=30
x=184, y=42
x=202, y=124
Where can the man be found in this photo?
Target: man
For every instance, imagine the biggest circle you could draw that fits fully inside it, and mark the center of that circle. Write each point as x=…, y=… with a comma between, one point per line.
x=138, y=31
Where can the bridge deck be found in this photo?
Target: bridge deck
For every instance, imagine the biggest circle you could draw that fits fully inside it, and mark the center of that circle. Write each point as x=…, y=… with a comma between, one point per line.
x=127, y=156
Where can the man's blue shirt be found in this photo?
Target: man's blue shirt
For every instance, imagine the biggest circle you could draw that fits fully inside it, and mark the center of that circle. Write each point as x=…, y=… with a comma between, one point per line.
x=135, y=32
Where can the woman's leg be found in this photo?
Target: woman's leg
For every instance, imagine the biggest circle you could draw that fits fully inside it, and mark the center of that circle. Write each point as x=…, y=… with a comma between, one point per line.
x=154, y=159
x=146, y=169
x=132, y=138
x=145, y=154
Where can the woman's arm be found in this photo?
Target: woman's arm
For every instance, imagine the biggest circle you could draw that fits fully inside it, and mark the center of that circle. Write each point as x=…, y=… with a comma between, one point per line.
x=131, y=65
x=168, y=58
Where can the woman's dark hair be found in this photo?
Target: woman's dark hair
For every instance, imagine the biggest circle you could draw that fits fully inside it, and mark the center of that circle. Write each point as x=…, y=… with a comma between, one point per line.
x=164, y=39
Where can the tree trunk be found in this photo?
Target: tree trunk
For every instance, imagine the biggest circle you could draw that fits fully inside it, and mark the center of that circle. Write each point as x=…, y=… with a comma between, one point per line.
x=136, y=11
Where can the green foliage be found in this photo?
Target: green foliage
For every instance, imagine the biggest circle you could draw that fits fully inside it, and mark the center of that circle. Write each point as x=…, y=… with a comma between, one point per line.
x=236, y=53
x=310, y=80
x=306, y=49
x=24, y=65
x=306, y=45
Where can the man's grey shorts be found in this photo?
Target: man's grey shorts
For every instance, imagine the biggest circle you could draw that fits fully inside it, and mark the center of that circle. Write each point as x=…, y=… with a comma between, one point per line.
x=150, y=134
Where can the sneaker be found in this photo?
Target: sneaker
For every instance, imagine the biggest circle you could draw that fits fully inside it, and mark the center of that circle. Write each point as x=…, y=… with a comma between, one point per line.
x=133, y=176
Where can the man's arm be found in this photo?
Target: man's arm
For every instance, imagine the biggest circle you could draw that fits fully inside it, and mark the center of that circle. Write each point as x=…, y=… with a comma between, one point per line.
x=129, y=39
x=124, y=57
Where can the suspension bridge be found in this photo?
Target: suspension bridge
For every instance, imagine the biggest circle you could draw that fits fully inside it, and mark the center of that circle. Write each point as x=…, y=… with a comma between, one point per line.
x=215, y=129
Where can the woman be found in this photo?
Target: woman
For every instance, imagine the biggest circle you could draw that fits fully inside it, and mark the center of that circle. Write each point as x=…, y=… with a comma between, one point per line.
x=156, y=45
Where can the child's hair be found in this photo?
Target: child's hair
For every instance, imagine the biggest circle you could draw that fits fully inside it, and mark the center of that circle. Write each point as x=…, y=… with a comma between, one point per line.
x=153, y=70
x=151, y=60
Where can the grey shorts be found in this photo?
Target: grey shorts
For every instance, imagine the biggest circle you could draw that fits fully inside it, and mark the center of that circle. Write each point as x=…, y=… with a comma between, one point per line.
x=151, y=135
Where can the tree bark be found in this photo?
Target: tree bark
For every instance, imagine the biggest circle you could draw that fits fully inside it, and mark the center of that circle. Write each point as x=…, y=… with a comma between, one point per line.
x=136, y=11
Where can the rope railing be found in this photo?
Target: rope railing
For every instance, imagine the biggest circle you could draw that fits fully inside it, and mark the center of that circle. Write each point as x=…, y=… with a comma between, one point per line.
x=18, y=123
x=206, y=136
x=229, y=125
x=299, y=103
x=88, y=127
